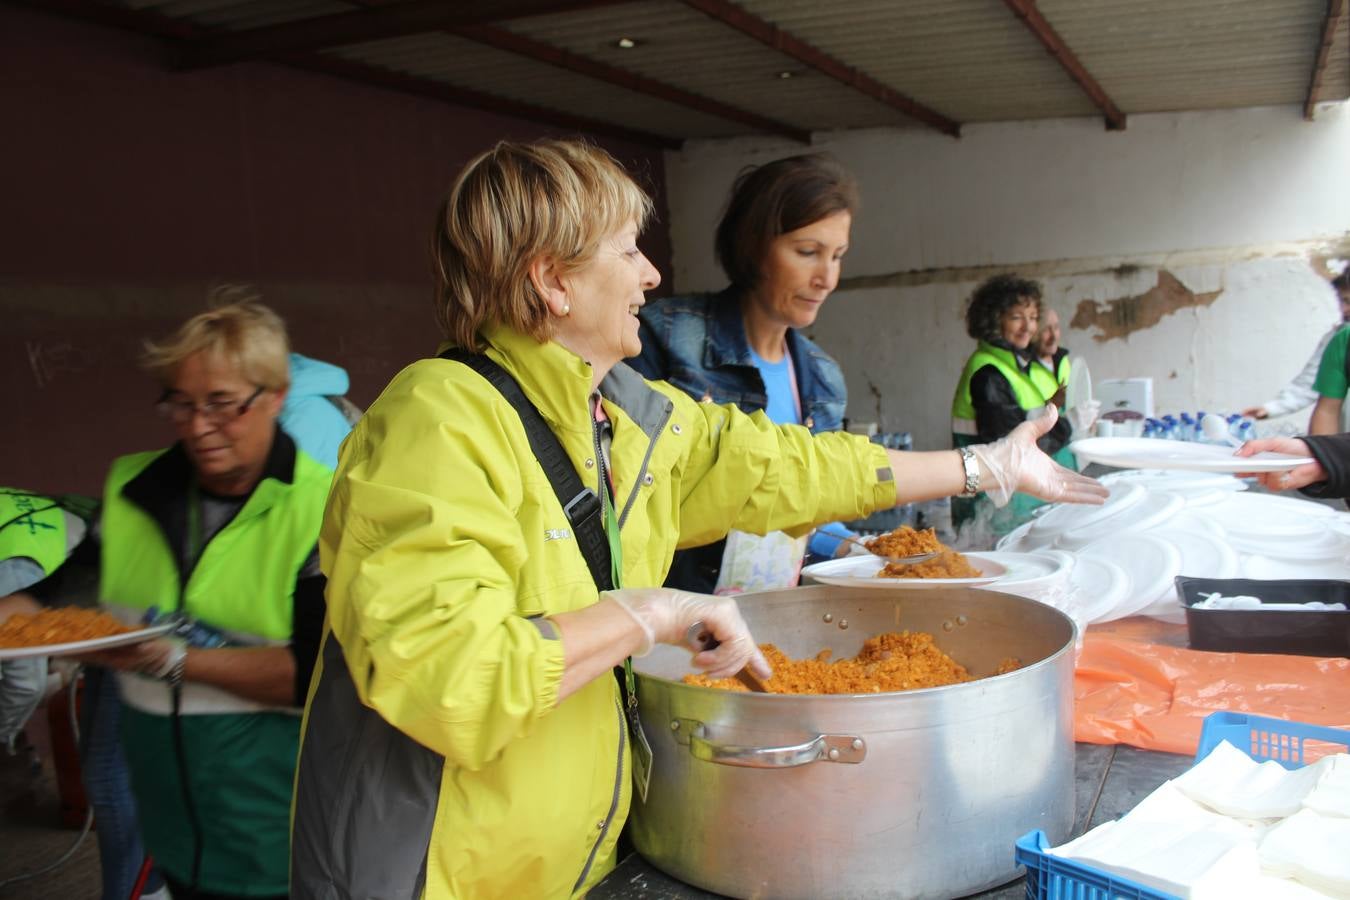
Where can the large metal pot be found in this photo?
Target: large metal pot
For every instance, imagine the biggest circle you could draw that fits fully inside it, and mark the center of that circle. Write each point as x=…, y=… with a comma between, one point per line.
x=913, y=794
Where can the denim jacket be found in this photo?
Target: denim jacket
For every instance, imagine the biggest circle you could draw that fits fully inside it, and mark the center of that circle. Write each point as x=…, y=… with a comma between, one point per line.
x=697, y=343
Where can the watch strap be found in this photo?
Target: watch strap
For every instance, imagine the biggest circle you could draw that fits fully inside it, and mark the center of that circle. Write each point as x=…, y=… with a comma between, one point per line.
x=971, y=465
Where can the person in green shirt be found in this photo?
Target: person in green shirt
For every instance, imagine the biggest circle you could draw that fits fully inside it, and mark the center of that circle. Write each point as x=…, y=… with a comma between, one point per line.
x=1332, y=380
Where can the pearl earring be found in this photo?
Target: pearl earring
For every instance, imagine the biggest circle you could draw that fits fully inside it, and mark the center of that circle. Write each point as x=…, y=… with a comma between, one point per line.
x=567, y=308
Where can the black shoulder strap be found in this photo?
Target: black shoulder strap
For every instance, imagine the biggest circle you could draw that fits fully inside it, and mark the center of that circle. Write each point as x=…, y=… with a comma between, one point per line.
x=579, y=502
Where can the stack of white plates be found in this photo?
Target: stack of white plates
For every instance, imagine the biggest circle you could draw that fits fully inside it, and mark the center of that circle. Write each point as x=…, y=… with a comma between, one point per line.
x=1044, y=576
x=1157, y=525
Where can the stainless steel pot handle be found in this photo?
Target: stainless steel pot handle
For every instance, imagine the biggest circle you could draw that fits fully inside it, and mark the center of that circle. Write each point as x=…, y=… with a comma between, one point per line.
x=837, y=748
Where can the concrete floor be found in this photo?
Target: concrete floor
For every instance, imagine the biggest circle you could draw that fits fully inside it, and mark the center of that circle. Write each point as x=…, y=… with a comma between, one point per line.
x=31, y=834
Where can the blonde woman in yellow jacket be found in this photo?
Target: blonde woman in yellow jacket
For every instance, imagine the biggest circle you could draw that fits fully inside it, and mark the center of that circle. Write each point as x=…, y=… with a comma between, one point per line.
x=464, y=737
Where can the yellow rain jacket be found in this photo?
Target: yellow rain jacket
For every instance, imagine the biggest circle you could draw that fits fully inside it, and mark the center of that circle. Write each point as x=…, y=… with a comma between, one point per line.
x=436, y=760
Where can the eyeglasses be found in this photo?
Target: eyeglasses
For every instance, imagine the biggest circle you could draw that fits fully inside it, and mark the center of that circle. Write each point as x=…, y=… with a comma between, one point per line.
x=216, y=412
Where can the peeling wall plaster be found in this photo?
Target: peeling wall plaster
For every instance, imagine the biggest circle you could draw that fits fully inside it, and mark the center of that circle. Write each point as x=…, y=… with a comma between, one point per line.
x=1120, y=318
x=1154, y=239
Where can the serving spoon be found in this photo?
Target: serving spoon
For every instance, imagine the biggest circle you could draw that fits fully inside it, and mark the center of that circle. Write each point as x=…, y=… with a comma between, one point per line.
x=900, y=560
x=699, y=638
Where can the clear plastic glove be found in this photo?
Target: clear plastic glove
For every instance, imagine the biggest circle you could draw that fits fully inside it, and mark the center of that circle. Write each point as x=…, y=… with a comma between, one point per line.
x=23, y=682
x=1015, y=464
x=1083, y=416
x=665, y=616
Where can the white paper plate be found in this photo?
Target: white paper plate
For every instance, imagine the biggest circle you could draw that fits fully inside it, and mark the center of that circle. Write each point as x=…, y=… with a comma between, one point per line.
x=861, y=571
x=1261, y=516
x=1324, y=546
x=1155, y=509
x=1177, y=481
x=1150, y=562
x=1203, y=555
x=1016, y=541
x=1028, y=569
x=1070, y=517
x=1078, y=392
x=76, y=647
x=1148, y=453
x=1264, y=567
x=1102, y=586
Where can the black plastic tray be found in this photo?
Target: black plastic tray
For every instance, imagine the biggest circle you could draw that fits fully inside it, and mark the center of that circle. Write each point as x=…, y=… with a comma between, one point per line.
x=1311, y=633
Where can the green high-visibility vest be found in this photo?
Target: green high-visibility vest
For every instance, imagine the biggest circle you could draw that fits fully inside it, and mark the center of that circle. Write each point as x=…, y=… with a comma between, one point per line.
x=1028, y=394
x=32, y=525
x=1049, y=382
x=233, y=757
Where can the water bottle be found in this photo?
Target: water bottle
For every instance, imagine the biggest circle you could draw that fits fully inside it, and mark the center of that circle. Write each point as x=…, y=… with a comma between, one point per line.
x=1244, y=432
x=1186, y=428
x=1199, y=430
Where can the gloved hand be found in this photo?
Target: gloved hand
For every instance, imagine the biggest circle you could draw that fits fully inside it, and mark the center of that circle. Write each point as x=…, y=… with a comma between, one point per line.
x=1015, y=464
x=23, y=682
x=665, y=615
x=1083, y=416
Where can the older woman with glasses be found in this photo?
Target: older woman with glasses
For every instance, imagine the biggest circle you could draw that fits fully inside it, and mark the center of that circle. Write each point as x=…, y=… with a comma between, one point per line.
x=218, y=532
x=499, y=523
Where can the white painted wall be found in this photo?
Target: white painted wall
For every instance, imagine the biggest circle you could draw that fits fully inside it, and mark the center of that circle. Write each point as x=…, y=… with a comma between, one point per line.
x=1242, y=200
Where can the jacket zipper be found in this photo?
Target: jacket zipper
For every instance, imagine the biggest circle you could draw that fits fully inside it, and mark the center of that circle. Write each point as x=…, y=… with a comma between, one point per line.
x=651, y=447
x=613, y=801
x=617, y=791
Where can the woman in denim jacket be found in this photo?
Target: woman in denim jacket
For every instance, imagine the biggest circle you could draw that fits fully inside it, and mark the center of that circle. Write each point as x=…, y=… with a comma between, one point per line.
x=781, y=241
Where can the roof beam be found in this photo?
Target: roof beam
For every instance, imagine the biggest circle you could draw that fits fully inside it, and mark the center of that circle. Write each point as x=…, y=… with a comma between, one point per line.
x=1027, y=11
x=777, y=39
x=360, y=26
x=422, y=87
x=511, y=42
x=1333, y=20
x=173, y=32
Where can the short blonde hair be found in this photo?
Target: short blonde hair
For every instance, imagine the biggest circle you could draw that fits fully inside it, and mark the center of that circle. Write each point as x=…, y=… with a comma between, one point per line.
x=236, y=327
x=512, y=205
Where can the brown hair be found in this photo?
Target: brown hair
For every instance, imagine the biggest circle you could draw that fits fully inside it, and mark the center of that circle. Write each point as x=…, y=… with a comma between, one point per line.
x=776, y=198
x=512, y=205
x=984, y=316
x=236, y=327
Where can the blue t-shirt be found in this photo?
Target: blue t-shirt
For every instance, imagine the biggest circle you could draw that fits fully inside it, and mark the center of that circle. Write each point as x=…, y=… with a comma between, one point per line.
x=782, y=410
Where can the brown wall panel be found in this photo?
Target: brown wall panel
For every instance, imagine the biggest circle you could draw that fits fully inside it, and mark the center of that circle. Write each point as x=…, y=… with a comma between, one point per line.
x=129, y=190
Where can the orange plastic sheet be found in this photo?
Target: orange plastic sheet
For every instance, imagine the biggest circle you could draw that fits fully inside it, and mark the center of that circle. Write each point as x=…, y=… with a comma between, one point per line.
x=1129, y=689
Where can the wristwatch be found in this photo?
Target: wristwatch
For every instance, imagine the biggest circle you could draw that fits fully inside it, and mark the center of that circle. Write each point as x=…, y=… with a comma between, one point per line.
x=972, y=468
x=171, y=672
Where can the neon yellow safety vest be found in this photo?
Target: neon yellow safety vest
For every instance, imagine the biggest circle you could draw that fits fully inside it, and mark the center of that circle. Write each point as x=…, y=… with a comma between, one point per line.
x=32, y=525
x=1029, y=396
x=1049, y=382
x=235, y=759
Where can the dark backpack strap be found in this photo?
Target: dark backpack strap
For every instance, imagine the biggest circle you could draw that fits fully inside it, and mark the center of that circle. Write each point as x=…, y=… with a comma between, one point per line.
x=579, y=502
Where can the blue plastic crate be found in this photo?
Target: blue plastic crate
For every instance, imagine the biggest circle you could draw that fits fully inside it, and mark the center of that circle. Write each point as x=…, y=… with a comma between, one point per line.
x=1261, y=737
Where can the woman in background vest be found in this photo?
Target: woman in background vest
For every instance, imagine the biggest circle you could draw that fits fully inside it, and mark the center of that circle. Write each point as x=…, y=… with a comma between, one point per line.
x=219, y=530
x=998, y=390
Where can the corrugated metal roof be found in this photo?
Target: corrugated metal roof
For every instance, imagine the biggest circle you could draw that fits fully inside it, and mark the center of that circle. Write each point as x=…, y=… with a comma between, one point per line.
x=968, y=60
x=687, y=49
x=461, y=63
